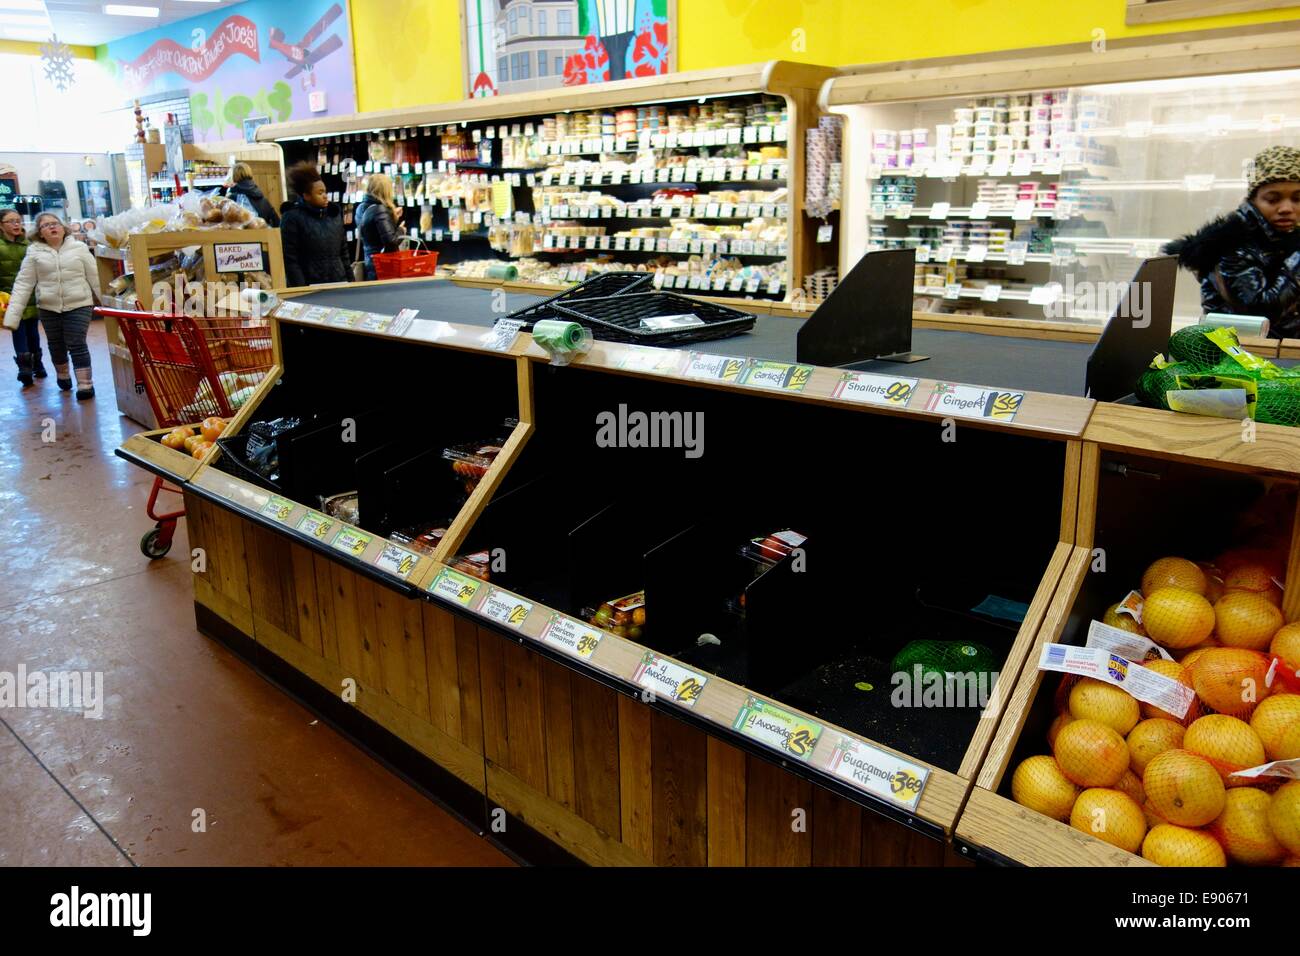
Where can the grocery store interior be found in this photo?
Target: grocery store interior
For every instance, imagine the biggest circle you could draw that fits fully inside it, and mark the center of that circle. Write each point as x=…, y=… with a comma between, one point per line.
x=474, y=433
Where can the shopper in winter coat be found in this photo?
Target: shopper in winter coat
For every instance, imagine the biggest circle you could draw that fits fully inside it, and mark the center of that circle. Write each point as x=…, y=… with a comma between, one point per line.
x=377, y=218
x=311, y=231
x=242, y=186
x=62, y=273
x=1248, y=262
x=27, y=336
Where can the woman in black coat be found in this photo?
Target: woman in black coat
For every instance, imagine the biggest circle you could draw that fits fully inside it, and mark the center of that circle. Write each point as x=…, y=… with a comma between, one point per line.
x=243, y=186
x=1248, y=262
x=311, y=230
x=377, y=218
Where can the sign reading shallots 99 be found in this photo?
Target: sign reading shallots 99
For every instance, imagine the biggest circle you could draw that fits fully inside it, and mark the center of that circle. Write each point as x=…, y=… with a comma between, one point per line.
x=238, y=256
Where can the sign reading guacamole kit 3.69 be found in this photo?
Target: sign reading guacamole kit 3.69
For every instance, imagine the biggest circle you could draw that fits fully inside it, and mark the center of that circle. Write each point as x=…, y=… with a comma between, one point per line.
x=787, y=732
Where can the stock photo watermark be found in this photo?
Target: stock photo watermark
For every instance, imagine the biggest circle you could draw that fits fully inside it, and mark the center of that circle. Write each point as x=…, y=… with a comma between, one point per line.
x=637, y=429
x=53, y=690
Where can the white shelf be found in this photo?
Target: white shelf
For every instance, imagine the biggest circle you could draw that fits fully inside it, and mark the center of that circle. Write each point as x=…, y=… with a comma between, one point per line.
x=768, y=173
x=643, y=211
x=963, y=212
x=721, y=247
x=1007, y=295
x=944, y=172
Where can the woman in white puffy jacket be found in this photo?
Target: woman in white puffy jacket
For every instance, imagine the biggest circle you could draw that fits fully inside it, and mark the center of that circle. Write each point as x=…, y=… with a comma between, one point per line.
x=62, y=273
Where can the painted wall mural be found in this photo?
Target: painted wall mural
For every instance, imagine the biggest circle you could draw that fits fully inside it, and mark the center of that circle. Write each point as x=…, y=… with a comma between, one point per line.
x=513, y=46
x=257, y=59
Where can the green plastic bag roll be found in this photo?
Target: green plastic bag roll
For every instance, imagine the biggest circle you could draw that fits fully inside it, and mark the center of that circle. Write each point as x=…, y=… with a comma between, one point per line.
x=556, y=336
x=502, y=270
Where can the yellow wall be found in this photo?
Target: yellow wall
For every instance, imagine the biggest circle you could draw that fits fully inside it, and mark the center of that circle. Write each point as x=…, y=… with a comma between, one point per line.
x=408, y=52
x=23, y=48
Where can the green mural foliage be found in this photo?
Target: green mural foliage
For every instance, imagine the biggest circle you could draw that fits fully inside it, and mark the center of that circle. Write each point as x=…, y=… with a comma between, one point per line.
x=212, y=112
x=238, y=108
x=281, y=100
x=200, y=115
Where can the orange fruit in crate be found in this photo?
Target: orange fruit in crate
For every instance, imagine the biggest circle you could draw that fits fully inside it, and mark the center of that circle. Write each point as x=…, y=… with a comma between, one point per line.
x=1226, y=742
x=1124, y=622
x=1060, y=721
x=201, y=448
x=1286, y=645
x=1230, y=679
x=1151, y=737
x=1039, y=785
x=1173, y=670
x=1235, y=558
x=1173, y=573
x=1091, y=754
x=1213, y=581
x=1242, y=828
x=1256, y=578
x=1277, y=721
x=1169, y=845
x=1191, y=656
x=1131, y=786
x=1175, y=617
x=1246, y=619
x=1093, y=699
x=1284, y=816
x=212, y=428
x=1184, y=788
x=1111, y=816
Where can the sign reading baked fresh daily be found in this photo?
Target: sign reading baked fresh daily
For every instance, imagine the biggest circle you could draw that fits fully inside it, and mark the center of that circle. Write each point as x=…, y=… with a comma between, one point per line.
x=396, y=560
x=572, y=637
x=780, y=376
x=789, y=733
x=238, y=256
x=670, y=679
x=875, y=389
x=455, y=586
x=504, y=608
x=278, y=508
x=880, y=772
x=973, y=401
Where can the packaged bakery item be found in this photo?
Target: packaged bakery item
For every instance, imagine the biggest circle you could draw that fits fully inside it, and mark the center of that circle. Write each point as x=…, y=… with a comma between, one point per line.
x=422, y=538
x=344, y=506
x=475, y=564
x=770, y=549
x=623, y=616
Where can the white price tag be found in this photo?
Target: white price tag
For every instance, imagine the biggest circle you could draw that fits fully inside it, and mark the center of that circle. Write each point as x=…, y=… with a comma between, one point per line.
x=903, y=211
x=922, y=253
x=980, y=210
x=1023, y=210
x=504, y=333
x=952, y=291
x=572, y=637
x=991, y=292
x=505, y=608
x=977, y=253
x=940, y=210
x=825, y=233
x=1016, y=252
x=664, y=677
x=1045, y=294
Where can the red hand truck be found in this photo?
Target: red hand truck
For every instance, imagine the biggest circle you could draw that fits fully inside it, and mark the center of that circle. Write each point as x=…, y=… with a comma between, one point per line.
x=191, y=369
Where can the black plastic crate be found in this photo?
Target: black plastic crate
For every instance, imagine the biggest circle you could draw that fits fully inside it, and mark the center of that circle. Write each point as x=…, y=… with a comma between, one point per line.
x=232, y=462
x=598, y=286
x=622, y=318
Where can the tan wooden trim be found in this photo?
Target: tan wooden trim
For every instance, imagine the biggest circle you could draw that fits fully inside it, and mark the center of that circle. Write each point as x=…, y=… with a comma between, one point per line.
x=1089, y=478
x=178, y=465
x=1163, y=11
x=237, y=616
x=469, y=513
x=1017, y=328
x=1070, y=490
x=1291, y=596
x=524, y=379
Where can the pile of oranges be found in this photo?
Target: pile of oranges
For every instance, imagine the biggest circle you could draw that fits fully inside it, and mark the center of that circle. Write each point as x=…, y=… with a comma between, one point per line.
x=196, y=440
x=1162, y=784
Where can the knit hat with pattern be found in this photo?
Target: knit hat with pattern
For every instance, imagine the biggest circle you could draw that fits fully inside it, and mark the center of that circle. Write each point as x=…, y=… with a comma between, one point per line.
x=1277, y=164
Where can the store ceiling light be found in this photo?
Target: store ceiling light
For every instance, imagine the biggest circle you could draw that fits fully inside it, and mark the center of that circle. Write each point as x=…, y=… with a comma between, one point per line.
x=32, y=19
x=124, y=10
x=37, y=6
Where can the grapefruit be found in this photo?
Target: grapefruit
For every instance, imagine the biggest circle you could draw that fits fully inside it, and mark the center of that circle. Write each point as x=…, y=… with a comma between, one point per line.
x=1286, y=645
x=1246, y=619
x=1122, y=621
x=1256, y=578
x=1175, y=617
x=1111, y=816
x=1243, y=829
x=1213, y=581
x=1284, y=816
x=1131, y=785
x=1093, y=699
x=1151, y=737
x=1060, y=721
x=1167, y=845
x=1288, y=747
x=1226, y=742
x=1275, y=720
x=1173, y=573
x=1039, y=785
x=1230, y=679
x=1191, y=656
x=1091, y=754
x=1173, y=670
x=1184, y=788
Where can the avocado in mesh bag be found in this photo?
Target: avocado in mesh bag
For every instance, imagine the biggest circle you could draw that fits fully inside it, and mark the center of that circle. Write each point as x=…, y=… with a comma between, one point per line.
x=1153, y=384
x=1278, y=402
x=1194, y=346
x=945, y=657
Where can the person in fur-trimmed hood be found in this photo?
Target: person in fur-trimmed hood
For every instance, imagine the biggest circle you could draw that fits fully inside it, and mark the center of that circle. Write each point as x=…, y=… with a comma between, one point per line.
x=1248, y=262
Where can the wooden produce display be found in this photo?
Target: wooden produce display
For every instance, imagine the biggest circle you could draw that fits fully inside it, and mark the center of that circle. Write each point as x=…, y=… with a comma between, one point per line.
x=575, y=197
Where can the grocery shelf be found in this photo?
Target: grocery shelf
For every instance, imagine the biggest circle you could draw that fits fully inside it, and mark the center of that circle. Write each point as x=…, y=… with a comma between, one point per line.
x=991, y=172
x=1011, y=295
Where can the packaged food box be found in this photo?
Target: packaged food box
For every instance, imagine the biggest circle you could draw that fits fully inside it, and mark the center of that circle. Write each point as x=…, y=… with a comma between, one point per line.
x=344, y=506
x=420, y=538
x=471, y=461
x=623, y=616
x=774, y=547
x=475, y=564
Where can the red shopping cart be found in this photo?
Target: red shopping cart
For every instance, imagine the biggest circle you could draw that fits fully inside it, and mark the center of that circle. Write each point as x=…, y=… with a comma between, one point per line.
x=190, y=369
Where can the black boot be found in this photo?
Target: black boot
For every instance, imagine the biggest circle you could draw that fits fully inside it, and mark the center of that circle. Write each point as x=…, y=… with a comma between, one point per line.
x=37, y=368
x=24, y=361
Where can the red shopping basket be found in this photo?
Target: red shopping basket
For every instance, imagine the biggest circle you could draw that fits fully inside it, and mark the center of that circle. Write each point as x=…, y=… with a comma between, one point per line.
x=405, y=264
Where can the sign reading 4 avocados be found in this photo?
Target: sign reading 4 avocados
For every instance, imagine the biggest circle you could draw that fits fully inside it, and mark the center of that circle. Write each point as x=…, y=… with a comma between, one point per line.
x=972, y=401
x=657, y=674
x=879, y=772
x=779, y=729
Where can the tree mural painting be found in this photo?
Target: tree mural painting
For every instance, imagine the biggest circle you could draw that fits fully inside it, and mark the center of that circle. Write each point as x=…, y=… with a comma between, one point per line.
x=238, y=109
x=212, y=114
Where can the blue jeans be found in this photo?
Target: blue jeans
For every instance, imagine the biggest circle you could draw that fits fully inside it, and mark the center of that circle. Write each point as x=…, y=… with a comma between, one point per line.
x=27, y=337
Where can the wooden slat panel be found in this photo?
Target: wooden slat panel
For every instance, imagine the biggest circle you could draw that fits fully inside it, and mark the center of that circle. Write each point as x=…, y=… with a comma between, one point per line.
x=1291, y=596
x=343, y=598
x=558, y=703
x=266, y=553
x=368, y=631
x=634, y=769
x=305, y=597
x=836, y=830
x=492, y=686
x=401, y=650
x=886, y=843
x=595, y=756
x=773, y=796
x=679, y=782
x=471, y=705
x=326, y=616
x=443, y=676
x=726, y=807
x=525, y=729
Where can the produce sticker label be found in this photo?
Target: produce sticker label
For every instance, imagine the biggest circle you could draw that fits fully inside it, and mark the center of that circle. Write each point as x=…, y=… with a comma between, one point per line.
x=665, y=677
x=278, y=508
x=875, y=389
x=397, y=560
x=351, y=540
x=315, y=524
x=779, y=729
x=972, y=401
x=455, y=586
x=879, y=772
x=778, y=376
x=504, y=608
x=1142, y=683
x=572, y=637
x=724, y=368
x=1124, y=643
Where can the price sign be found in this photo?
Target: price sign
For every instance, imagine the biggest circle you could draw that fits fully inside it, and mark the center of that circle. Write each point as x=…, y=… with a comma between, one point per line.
x=750, y=134
x=504, y=608
x=278, y=508
x=979, y=210
x=504, y=333
x=590, y=242
x=922, y=253
x=991, y=292
x=778, y=376
x=765, y=134
x=753, y=284
x=940, y=210
x=678, y=174
x=977, y=253
x=879, y=772
x=753, y=173
x=1045, y=294
x=725, y=368
x=1064, y=210
x=1023, y=166
x=952, y=291
x=903, y=211
x=774, y=287
x=791, y=734
x=315, y=524
x=666, y=678
x=1016, y=252
x=397, y=560
x=351, y=541
x=825, y=233
x=680, y=282
x=736, y=284
x=720, y=284
x=1023, y=210
x=572, y=637
x=973, y=401
x=662, y=174
x=620, y=242
x=455, y=586
x=872, y=389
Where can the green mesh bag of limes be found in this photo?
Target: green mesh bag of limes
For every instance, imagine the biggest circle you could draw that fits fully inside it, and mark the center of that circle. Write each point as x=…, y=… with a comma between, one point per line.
x=945, y=657
x=1208, y=372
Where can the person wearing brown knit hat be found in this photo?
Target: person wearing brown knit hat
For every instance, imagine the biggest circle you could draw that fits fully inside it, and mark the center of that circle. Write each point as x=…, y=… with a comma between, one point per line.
x=1248, y=262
